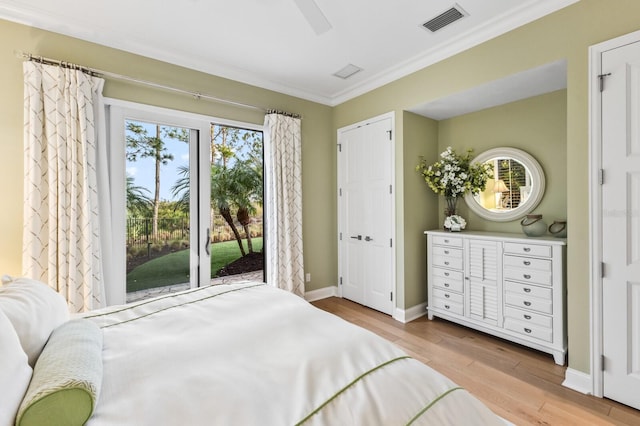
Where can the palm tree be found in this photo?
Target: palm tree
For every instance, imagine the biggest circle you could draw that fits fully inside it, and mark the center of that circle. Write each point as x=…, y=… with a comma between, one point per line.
x=138, y=201
x=248, y=184
x=223, y=188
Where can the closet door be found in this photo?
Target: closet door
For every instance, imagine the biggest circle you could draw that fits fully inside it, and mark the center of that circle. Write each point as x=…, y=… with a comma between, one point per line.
x=621, y=223
x=365, y=213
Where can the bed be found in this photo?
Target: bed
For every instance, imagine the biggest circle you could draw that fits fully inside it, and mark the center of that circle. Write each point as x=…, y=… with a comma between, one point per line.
x=237, y=354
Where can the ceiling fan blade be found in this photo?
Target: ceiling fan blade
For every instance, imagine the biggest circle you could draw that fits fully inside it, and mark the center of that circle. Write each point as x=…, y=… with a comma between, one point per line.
x=314, y=16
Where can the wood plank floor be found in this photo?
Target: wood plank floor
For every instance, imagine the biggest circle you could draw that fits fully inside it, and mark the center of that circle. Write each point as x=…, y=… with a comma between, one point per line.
x=522, y=385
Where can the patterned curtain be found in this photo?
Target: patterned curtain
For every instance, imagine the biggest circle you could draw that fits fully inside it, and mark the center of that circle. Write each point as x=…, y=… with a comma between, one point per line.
x=285, y=263
x=61, y=243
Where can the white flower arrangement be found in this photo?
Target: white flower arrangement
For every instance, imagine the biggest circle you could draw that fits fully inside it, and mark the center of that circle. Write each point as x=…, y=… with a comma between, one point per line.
x=455, y=222
x=455, y=175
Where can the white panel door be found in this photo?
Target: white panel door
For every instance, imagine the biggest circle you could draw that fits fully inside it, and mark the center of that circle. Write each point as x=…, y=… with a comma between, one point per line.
x=621, y=223
x=365, y=205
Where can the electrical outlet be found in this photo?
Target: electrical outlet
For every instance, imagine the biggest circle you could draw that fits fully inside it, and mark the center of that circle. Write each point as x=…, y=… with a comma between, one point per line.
x=307, y=277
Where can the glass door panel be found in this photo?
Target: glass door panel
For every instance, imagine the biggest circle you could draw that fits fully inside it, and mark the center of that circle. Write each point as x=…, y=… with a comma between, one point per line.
x=159, y=214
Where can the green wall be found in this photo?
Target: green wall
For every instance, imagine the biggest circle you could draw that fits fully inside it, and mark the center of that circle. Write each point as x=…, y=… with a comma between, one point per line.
x=536, y=125
x=566, y=34
x=318, y=151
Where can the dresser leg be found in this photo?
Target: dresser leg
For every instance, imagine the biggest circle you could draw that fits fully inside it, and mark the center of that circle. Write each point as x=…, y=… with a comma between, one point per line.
x=429, y=315
x=559, y=357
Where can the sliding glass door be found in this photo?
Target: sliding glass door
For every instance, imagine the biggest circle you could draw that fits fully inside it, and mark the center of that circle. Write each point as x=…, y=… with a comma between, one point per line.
x=187, y=201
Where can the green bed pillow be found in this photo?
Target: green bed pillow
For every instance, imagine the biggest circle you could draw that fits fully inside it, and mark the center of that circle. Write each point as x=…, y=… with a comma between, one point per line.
x=66, y=379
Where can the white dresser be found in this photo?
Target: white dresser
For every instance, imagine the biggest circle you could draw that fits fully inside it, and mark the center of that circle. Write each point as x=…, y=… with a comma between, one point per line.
x=508, y=285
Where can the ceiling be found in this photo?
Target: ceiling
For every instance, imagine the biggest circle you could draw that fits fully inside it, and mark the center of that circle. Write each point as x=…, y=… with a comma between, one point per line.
x=290, y=46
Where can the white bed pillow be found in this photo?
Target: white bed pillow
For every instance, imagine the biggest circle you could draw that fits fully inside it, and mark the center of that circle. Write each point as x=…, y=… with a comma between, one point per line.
x=15, y=372
x=35, y=310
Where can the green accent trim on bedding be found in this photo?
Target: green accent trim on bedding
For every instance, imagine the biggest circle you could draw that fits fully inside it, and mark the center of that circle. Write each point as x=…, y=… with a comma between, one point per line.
x=356, y=380
x=431, y=404
x=168, y=307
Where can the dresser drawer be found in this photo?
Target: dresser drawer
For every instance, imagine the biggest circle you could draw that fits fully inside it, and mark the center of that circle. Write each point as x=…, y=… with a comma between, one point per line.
x=539, y=250
x=447, y=251
x=447, y=241
x=532, y=330
x=528, y=317
x=528, y=276
x=527, y=263
x=529, y=302
x=447, y=305
x=447, y=262
x=528, y=290
x=448, y=280
x=448, y=295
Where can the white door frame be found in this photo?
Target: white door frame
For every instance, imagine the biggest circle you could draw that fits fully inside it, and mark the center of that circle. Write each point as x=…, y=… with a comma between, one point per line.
x=595, y=205
x=391, y=115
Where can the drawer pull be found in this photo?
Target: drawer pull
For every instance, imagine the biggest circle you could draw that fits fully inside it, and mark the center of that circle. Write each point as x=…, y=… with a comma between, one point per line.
x=446, y=285
x=527, y=290
x=447, y=296
x=526, y=263
x=527, y=330
x=446, y=274
x=446, y=241
x=527, y=276
x=446, y=252
x=527, y=317
x=446, y=263
x=526, y=249
x=527, y=303
x=447, y=306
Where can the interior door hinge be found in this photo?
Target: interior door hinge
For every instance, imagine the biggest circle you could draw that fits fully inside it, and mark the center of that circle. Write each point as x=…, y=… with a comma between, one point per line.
x=390, y=242
x=391, y=296
x=339, y=147
x=390, y=189
x=341, y=236
x=602, y=362
x=340, y=280
x=602, y=270
x=601, y=177
x=390, y=132
x=340, y=191
x=601, y=78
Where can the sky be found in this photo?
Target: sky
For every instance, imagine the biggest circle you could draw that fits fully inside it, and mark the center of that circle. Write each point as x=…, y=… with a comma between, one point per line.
x=143, y=170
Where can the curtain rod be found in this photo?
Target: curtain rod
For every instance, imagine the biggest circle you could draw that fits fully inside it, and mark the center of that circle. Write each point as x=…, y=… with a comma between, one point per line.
x=102, y=73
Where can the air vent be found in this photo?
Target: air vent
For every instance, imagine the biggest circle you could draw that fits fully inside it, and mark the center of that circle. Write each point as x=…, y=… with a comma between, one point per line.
x=347, y=71
x=445, y=18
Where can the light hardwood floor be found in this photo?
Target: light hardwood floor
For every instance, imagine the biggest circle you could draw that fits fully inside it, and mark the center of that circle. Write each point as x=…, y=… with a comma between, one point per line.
x=520, y=384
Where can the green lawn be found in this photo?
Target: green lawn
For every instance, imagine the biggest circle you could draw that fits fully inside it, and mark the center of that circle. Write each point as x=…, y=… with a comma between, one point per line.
x=174, y=268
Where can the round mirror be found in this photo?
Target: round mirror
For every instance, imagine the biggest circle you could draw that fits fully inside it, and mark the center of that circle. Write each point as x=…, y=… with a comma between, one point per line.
x=515, y=190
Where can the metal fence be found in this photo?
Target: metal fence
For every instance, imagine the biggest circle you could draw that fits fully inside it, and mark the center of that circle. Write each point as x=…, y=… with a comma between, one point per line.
x=140, y=231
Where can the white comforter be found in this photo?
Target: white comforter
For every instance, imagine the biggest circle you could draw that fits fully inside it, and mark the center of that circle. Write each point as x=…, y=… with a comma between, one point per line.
x=249, y=354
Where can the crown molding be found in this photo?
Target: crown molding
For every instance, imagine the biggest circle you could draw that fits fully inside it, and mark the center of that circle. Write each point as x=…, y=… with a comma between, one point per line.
x=527, y=12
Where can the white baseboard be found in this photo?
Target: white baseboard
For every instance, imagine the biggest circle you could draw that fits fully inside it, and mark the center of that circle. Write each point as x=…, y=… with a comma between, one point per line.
x=321, y=293
x=410, y=314
x=578, y=381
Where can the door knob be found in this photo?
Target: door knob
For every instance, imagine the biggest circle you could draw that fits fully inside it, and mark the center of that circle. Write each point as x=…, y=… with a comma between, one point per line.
x=368, y=238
